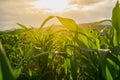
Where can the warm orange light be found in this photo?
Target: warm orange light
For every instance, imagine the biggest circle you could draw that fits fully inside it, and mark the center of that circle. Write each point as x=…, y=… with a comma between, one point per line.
x=52, y=5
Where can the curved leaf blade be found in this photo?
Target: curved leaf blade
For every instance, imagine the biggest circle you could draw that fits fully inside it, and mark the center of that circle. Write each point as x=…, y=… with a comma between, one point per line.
x=22, y=26
x=5, y=67
x=68, y=23
x=45, y=21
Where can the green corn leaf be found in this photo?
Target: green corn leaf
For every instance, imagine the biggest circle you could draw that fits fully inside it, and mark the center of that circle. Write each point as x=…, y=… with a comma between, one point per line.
x=0, y=72
x=113, y=68
x=38, y=55
x=22, y=26
x=30, y=72
x=29, y=54
x=17, y=72
x=114, y=58
x=108, y=74
x=99, y=22
x=115, y=16
x=74, y=68
x=116, y=23
x=103, y=69
x=17, y=31
x=5, y=67
x=68, y=23
x=67, y=64
x=45, y=21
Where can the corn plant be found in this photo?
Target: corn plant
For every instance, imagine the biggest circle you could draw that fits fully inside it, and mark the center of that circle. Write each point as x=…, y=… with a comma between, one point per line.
x=71, y=53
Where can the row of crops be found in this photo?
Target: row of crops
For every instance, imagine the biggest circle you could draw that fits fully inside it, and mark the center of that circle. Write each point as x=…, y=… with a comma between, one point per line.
x=69, y=53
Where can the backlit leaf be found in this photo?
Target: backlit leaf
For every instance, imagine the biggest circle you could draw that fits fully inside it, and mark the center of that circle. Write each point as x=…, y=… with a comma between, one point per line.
x=68, y=23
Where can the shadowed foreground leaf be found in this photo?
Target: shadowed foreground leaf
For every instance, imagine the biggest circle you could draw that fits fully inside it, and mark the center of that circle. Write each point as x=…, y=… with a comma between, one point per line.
x=5, y=68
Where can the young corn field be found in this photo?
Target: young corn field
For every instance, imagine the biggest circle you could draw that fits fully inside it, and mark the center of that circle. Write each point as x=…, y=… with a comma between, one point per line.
x=70, y=53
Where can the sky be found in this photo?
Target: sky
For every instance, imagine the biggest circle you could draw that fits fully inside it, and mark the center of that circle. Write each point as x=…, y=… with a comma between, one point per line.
x=33, y=12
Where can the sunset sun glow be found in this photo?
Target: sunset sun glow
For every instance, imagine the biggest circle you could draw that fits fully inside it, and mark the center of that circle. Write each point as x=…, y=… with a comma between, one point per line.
x=35, y=11
x=52, y=5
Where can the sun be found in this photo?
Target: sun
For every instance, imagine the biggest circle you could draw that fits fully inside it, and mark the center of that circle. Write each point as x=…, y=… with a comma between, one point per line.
x=52, y=5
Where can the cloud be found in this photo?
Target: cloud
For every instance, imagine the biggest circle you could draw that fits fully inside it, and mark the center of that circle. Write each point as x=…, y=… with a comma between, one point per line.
x=22, y=11
x=85, y=2
x=14, y=11
x=96, y=11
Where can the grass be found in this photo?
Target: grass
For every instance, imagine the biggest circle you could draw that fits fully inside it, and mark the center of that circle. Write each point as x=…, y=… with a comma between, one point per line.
x=70, y=53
